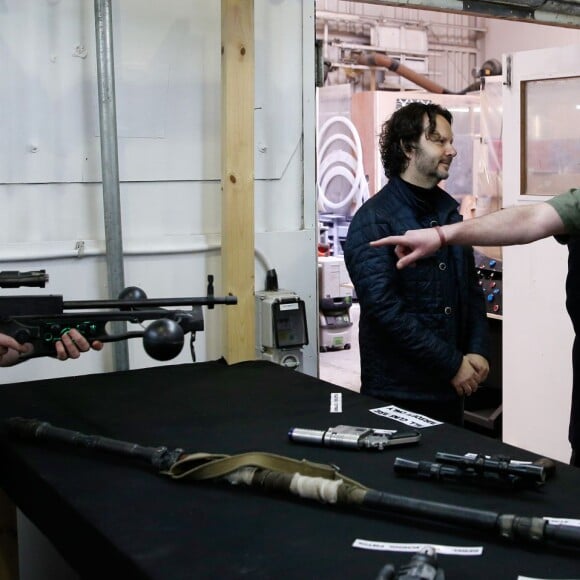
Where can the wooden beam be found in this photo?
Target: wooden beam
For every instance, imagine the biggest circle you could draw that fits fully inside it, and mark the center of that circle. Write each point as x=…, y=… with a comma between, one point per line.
x=237, y=118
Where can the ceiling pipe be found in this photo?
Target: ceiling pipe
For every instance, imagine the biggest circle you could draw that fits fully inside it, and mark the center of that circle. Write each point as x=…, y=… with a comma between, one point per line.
x=375, y=59
x=394, y=65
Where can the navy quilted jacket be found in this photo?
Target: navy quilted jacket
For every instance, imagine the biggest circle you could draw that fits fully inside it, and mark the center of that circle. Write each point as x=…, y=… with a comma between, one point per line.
x=417, y=323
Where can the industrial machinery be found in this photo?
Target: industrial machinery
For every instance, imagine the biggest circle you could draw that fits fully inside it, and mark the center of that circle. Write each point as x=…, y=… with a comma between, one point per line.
x=336, y=295
x=489, y=272
x=335, y=323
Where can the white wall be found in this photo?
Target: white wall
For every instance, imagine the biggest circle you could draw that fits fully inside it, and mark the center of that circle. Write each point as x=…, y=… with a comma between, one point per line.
x=507, y=36
x=168, y=83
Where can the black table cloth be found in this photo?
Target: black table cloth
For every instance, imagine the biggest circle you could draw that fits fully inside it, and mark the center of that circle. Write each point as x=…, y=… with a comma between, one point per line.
x=107, y=515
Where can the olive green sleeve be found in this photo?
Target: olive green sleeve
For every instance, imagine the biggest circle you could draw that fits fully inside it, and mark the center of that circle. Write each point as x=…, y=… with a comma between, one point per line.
x=568, y=207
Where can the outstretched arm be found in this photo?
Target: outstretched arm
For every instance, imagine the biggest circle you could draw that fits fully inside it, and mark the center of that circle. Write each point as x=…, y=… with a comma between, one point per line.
x=516, y=225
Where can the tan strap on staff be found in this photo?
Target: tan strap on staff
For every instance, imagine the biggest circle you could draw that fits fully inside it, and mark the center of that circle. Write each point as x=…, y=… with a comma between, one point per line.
x=201, y=466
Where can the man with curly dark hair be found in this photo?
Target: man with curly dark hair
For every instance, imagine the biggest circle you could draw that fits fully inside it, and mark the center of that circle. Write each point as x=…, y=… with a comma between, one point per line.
x=559, y=217
x=423, y=331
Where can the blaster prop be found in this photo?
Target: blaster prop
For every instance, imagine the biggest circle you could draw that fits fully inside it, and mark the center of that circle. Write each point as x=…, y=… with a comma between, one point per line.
x=498, y=471
x=286, y=476
x=42, y=320
x=354, y=437
x=422, y=566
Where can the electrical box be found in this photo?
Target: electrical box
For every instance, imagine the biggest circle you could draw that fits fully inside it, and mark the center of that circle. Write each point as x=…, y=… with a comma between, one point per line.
x=281, y=329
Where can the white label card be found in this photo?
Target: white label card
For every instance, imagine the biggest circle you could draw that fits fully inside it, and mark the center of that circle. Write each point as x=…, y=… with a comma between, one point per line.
x=398, y=547
x=564, y=521
x=336, y=402
x=536, y=578
x=407, y=417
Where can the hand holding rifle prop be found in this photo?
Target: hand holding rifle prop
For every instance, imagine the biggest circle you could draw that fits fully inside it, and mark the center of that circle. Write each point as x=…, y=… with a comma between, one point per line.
x=44, y=320
x=308, y=480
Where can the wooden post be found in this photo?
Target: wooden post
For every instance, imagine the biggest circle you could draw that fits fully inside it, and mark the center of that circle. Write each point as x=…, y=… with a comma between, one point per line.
x=237, y=122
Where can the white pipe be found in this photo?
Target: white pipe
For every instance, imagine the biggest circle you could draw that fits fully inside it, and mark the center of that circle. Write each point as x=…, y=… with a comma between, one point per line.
x=23, y=253
x=136, y=250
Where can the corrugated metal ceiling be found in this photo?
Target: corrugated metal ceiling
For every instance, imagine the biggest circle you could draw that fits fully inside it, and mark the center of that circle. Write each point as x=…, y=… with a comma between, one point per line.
x=551, y=12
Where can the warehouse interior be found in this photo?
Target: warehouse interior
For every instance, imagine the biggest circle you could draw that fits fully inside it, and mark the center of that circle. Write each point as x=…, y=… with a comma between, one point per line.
x=221, y=187
x=461, y=54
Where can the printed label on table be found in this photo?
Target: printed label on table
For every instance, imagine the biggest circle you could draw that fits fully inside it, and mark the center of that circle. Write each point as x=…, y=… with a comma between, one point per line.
x=542, y=578
x=407, y=417
x=336, y=402
x=399, y=547
x=562, y=521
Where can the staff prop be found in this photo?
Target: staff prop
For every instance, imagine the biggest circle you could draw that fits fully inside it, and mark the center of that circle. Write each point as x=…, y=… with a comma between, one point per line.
x=275, y=473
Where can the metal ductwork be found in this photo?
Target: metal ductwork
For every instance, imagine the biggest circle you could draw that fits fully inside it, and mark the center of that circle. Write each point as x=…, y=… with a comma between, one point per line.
x=550, y=12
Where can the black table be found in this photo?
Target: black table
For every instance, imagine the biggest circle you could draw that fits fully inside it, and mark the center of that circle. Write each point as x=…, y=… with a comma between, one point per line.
x=107, y=516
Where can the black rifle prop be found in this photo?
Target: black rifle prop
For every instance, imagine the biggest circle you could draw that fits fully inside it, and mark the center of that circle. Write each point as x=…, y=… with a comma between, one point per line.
x=42, y=320
x=494, y=471
x=284, y=475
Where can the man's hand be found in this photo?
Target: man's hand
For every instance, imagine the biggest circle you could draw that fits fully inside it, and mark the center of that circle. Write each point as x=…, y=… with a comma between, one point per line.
x=480, y=364
x=466, y=380
x=11, y=349
x=73, y=343
x=412, y=246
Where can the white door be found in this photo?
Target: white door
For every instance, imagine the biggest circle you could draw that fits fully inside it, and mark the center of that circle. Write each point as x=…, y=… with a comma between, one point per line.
x=541, y=158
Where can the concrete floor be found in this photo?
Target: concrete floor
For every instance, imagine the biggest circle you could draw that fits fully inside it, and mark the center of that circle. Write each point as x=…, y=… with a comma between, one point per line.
x=342, y=367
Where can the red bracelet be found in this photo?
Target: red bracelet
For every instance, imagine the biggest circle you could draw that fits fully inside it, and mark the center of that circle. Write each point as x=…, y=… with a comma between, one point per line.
x=441, y=235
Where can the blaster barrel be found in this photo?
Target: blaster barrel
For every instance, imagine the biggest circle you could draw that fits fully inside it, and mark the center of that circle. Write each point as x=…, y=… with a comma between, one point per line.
x=427, y=470
x=452, y=473
x=15, y=279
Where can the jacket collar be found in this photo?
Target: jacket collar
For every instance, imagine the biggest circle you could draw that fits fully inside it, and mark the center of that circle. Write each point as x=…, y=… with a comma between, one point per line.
x=444, y=203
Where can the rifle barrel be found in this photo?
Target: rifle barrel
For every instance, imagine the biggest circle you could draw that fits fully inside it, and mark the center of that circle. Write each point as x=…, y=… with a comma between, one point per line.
x=149, y=302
